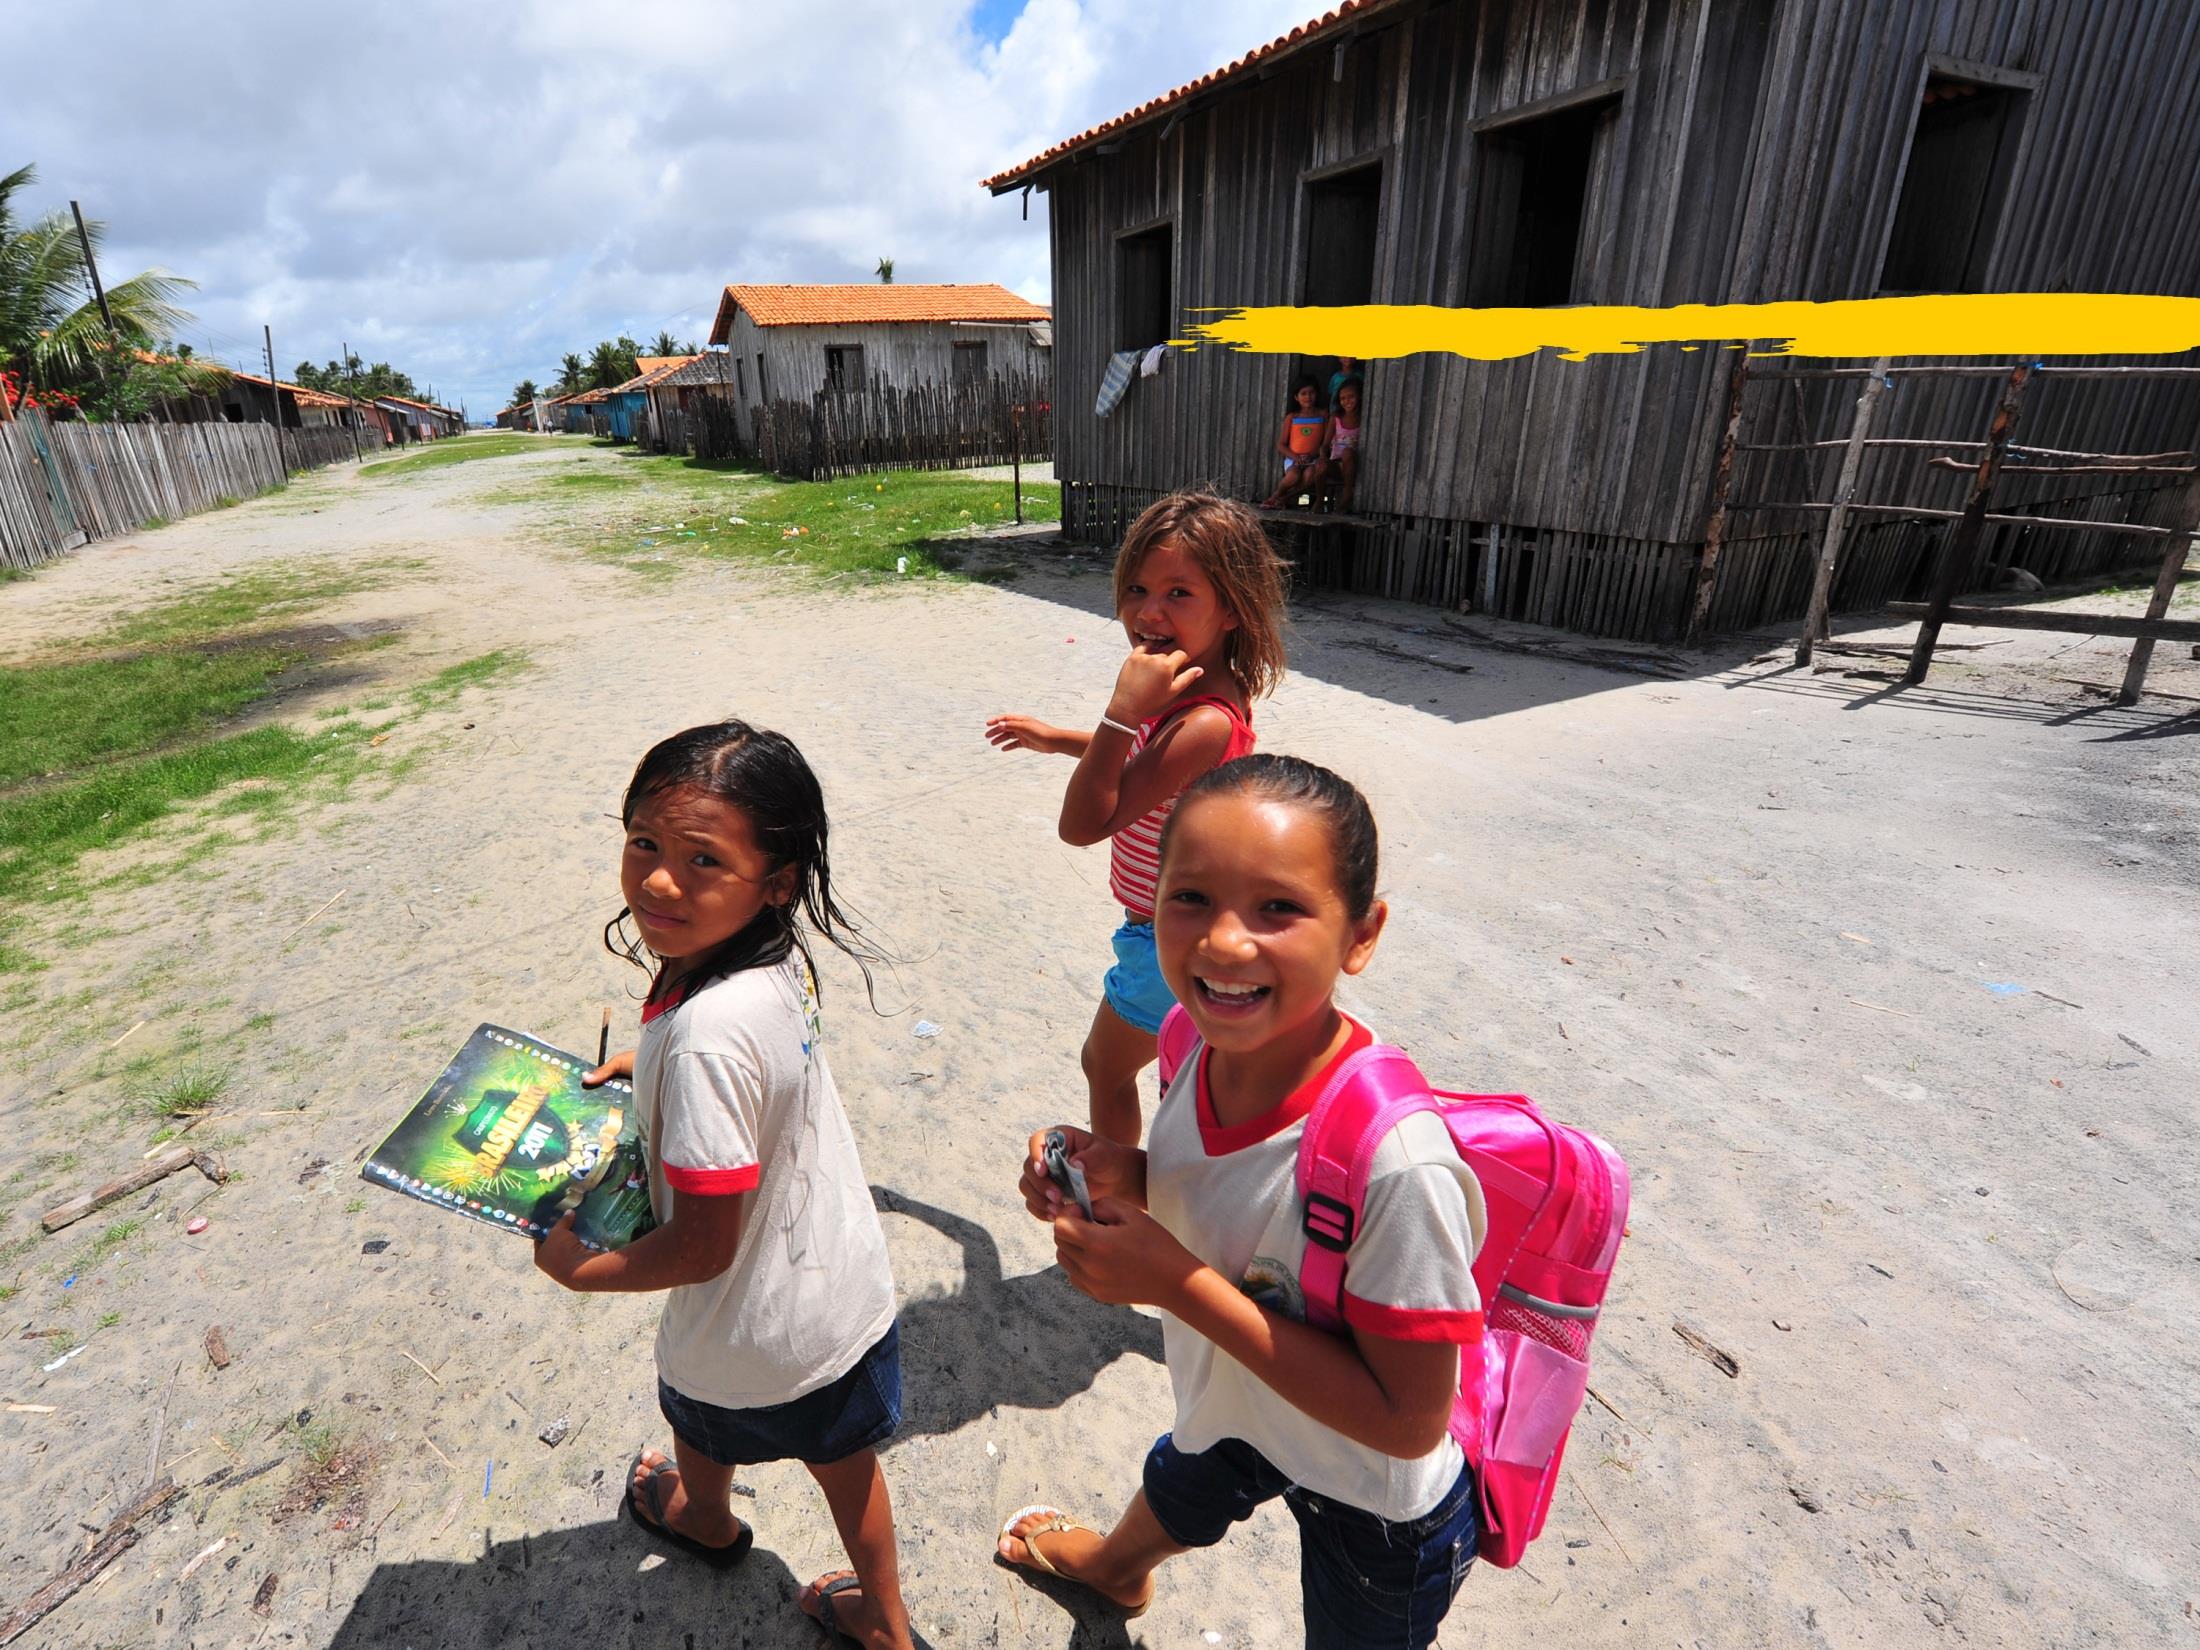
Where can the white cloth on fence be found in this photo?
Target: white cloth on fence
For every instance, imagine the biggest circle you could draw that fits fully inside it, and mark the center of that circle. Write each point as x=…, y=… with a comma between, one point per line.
x=1151, y=366
x=1116, y=380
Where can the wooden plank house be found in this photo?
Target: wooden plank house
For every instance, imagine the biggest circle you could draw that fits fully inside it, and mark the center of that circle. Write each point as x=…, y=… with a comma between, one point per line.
x=1652, y=152
x=787, y=343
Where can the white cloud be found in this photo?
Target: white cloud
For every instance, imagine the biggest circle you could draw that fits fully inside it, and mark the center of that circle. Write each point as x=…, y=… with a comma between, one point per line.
x=469, y=190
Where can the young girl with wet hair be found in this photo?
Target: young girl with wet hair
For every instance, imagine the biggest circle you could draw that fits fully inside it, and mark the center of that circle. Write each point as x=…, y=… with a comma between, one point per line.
x=1268, y=879
x=1199, y=592
x=778, y=1338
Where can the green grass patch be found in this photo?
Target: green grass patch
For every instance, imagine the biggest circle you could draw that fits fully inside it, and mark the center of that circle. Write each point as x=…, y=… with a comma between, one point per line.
x=861, y=526
x=243, y=600
x=447, y=684
x=459, y=451
x=10, y=574
x=59, y=717
x=178, y=1092
x=44, y=832
x=113, y=1238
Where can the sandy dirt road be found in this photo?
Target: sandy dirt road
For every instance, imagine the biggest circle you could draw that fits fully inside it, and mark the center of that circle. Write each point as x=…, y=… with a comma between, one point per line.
x=1758, y=928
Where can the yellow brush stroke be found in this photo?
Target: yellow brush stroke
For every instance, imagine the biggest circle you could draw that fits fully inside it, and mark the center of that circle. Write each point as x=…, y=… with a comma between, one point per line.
x=2003, y=324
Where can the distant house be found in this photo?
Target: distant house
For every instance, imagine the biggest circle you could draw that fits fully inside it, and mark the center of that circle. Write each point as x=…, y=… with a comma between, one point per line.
x=786, y=343
x=247, y=398
x=411, y=420
x=1546, y=153
x=705, y=377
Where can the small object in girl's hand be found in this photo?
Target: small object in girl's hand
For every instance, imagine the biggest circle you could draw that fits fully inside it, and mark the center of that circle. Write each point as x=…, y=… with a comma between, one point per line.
x=1065, y=1174
x=195, y=1225
x=925, y=1028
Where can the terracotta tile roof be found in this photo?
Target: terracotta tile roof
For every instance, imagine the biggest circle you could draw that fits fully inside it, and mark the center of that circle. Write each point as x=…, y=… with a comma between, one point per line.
x=299, y=393
x=1306, y=34
x=870, y=302
x=712, y=367
x=646, y=364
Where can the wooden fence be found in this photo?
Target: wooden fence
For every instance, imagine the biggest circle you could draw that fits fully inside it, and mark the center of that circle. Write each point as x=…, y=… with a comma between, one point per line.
x=64, y=484
x=847, y=432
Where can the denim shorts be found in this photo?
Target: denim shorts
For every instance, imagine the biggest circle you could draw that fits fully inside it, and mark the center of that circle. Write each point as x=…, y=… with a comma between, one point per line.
x=1134, y=987
x=858, y=1410
x=1367, y=1584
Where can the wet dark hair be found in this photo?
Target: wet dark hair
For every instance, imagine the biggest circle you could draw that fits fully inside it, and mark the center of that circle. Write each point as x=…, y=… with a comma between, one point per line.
x=762, y=774
x=1353, y=846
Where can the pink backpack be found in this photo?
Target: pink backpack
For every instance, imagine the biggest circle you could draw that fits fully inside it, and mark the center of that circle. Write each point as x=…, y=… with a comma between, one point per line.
x=1556, y=1200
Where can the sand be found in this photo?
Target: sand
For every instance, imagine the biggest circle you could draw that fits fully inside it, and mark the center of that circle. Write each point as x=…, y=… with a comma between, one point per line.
x=1748, y=924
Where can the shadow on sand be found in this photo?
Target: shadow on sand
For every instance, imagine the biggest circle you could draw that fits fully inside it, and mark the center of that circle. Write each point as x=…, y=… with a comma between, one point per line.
x=1032, y=1342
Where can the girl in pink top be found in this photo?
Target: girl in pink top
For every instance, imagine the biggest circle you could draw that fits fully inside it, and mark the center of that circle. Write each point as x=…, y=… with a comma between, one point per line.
x=1199, y=590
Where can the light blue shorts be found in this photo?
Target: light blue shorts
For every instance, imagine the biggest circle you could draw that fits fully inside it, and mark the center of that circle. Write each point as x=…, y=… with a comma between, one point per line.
x=1134, y=987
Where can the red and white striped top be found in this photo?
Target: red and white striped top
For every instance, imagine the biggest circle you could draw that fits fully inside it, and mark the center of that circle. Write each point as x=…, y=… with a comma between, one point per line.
x=1134, y=854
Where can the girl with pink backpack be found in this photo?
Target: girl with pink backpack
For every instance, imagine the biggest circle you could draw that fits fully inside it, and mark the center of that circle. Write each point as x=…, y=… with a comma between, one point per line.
x=1266, y=897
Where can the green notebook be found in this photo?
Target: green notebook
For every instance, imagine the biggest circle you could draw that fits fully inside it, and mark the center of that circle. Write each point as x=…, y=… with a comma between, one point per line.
x=508, y=1135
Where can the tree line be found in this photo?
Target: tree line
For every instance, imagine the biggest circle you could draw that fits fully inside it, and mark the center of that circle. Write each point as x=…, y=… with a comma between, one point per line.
x=608, y=365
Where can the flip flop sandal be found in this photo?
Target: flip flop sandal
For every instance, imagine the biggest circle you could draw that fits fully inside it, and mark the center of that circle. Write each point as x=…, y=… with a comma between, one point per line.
x=825, y=1595
x=1058, y=1522
x=720, y=1558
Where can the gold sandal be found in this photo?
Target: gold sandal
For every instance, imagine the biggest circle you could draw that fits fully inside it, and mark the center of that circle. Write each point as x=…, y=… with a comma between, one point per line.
x=1054, y=1525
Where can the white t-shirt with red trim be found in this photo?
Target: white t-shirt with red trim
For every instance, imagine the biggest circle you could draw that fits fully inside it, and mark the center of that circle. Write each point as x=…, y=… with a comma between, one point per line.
x=1231, y=1197
x=734, y=1096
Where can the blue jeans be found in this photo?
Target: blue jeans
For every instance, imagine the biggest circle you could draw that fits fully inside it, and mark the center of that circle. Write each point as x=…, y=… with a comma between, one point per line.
x=1368, y=1584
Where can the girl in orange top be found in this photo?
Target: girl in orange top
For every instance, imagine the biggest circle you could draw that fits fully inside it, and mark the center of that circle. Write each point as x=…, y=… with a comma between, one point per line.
x=1299, y=442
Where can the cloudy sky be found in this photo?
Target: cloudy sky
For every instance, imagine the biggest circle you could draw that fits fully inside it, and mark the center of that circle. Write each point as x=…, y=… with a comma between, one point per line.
x=469, y=190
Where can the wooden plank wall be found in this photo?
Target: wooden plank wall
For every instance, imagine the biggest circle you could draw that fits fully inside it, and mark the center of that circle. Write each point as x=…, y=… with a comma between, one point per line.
x=1757, y=154
x=118, y=478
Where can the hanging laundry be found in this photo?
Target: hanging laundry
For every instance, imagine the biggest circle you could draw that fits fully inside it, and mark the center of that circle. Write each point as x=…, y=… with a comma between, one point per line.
x=1151, y=366
x=1116, y=380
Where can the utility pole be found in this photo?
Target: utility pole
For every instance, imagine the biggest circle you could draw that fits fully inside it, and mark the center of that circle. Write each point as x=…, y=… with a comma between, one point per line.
x=91, y=267
x=358, y=452
x=275, y=394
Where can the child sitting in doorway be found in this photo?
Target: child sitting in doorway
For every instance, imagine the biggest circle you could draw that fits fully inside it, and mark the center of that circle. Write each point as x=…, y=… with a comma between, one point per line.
x=1300, y=443
x=1340, y=465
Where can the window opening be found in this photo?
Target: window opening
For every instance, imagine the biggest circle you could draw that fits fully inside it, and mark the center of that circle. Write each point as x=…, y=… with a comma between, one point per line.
x=1534, y=179
x=1144, y=306
x=844, y=367
x=1953, y=187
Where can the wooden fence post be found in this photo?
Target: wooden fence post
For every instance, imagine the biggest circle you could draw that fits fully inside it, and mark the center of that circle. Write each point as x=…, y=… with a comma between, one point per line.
x=1815, y=623
x=1722, y=484
x=2186, y=518
x=1962, y=548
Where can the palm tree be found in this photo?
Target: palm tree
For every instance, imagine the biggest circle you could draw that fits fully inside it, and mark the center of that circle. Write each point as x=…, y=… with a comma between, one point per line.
x=49, y=322
x=572, y=375
x=607, y=366
x=523, y=393
x=664, y=344
x=886, y=271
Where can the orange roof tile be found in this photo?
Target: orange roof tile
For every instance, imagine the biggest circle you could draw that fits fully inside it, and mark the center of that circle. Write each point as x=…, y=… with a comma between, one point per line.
x=299, y=393
x=650, y=363
x=870, y=302
x=1349, y=11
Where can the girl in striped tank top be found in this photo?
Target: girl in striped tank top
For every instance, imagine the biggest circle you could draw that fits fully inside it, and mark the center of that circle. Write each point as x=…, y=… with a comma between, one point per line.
x=1199, y=590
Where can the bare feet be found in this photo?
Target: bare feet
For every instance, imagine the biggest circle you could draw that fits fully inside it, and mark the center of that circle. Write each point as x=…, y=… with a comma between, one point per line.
x=1042, y=1539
